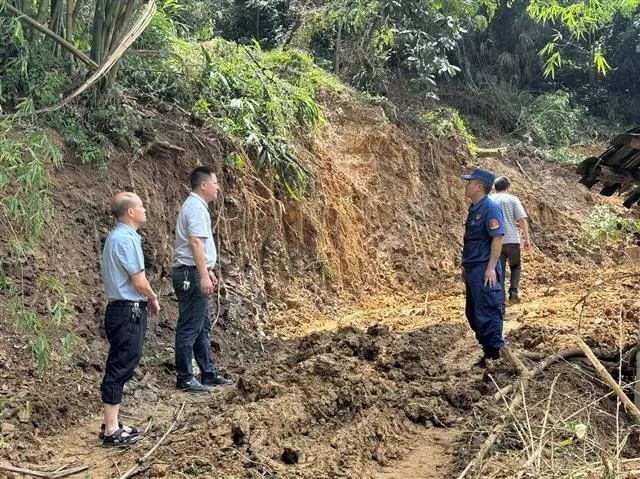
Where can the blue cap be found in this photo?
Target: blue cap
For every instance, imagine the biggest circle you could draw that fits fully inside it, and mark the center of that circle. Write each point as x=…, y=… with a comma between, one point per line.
x=484, y=176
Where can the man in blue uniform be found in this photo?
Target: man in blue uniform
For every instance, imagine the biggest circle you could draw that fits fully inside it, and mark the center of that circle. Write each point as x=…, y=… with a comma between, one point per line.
x=481, y=269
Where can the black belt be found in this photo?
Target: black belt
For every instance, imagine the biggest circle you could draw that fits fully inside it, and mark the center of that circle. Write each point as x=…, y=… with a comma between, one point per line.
x=185, y=266
x=124, y=302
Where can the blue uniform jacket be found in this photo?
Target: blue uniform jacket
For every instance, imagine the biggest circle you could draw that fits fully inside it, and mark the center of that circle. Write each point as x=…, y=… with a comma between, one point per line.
x=484, y=222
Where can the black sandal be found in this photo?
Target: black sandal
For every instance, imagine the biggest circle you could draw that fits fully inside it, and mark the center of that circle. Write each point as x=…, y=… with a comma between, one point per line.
x=120, y=438
x=134, y=431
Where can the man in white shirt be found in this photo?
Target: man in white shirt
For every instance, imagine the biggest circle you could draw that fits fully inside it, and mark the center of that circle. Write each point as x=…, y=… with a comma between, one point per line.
x=194, y=281
x=515, y=223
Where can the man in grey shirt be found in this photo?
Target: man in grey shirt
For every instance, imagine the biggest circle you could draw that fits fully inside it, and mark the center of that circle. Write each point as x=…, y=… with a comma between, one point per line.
x=515, y=221
x=129, y=297
x=193, y=282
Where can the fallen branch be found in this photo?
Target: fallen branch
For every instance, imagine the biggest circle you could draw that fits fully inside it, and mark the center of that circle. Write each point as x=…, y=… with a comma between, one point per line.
x=490, y=152
x=604, y=374
x=140, y=466
x=548, y=361
x=26, y=19
x=535, y=457
x=523, y=377
x=523, y=172
x=515, y=361
x=496, y=431
x=46, y=475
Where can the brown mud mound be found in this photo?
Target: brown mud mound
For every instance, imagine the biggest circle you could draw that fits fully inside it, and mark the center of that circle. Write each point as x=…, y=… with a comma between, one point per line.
x=329, y=405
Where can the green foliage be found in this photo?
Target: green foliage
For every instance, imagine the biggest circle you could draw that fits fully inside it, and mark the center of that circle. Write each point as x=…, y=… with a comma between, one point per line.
x=445, y=122
x=258, y=99
x=24, y=182
x=551, y=120
x=258, y=106
x=30, y=75
x=562, y=155
x=78, y=133
x=49, y=333
x=582, y=21
x=603, y=226
x=378, y=37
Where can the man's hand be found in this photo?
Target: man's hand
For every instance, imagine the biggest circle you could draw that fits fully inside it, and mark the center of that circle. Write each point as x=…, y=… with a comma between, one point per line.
x=213, y=278
x=527, y=244
x=154, y=307
x=206, y=285
x=490, y=277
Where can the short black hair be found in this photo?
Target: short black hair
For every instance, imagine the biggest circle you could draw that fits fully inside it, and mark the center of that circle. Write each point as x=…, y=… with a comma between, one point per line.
x=199, y=174
x=502, y=183
x=487, y=188
x=121, y=206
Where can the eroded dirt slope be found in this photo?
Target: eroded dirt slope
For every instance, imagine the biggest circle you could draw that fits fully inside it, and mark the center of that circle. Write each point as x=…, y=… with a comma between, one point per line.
x=340, y=316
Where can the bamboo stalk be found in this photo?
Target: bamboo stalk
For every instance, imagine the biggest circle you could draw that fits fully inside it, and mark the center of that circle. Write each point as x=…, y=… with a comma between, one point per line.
x=42, y=29
x=604, y=374
x=127, y=41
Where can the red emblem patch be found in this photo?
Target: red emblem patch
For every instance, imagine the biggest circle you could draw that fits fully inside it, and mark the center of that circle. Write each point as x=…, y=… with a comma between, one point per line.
x=494, y=224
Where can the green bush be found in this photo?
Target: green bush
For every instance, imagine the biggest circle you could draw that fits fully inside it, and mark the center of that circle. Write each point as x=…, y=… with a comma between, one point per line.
x=446, y=122
x=551, y=120
x=603, y=225
x=24, y=184
x=31, y=76
x=49, y=333
x=260, y=107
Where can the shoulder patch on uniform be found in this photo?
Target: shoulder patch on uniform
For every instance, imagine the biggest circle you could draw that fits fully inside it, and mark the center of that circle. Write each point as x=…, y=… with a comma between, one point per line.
x=494, y=224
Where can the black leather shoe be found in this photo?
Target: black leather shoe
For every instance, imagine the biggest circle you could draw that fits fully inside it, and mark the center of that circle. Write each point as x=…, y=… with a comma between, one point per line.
x=193, y=386
x=481, y=363
x=217, y=380
x=492, y=354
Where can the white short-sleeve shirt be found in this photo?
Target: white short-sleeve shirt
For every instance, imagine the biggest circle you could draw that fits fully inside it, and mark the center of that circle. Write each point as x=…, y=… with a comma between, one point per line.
x=194, y=221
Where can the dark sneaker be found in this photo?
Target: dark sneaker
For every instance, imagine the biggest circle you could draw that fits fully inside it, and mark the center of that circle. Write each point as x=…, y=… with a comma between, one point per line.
x=217, y=380
x=193, y=386
x=514, y=299
x=481, y=363
x=121, y=438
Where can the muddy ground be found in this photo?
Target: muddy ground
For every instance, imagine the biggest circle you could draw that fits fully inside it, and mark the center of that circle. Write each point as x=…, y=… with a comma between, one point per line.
x=387, y=392
x=340, y=319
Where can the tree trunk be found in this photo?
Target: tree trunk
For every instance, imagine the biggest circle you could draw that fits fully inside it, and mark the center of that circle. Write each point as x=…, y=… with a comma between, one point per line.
x=42, y=11
x=97, y=31
x=109, y=26
x=336, y=65
x=56, y=20
x=258, y=24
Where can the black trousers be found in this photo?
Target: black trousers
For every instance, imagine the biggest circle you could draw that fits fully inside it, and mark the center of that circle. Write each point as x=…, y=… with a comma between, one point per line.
x=511, y=255
x=193, y=329
x=125, y=326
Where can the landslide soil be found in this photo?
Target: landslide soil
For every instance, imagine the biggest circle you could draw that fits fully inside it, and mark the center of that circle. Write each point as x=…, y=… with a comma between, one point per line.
x=340, y=317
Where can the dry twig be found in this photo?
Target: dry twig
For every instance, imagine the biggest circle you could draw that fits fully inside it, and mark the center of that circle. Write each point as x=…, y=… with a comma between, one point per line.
x=141, y=462
x=46, y=475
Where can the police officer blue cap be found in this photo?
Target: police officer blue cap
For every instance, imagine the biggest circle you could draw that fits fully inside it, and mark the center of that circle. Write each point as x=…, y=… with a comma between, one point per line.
x=484, y=176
